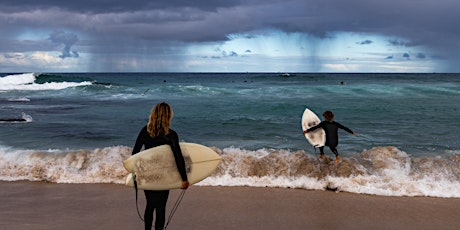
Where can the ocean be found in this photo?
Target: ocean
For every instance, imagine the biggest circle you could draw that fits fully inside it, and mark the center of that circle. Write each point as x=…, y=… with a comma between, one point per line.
x=78, y=127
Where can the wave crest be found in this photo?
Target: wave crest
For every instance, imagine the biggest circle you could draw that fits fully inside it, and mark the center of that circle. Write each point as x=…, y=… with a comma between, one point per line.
x=82, y=166
x=28, y=81
x=379, y=171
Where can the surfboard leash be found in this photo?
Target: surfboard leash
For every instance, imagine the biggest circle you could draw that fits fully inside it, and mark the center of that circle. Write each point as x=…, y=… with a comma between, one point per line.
x=176, y=205
x=135, y=188
x=173, y=210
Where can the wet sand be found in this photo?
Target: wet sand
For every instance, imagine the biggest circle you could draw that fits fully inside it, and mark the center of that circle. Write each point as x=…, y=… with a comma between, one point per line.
x=40, y=205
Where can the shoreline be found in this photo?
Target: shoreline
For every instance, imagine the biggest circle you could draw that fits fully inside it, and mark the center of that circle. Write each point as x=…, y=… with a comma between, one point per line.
x=41, y=205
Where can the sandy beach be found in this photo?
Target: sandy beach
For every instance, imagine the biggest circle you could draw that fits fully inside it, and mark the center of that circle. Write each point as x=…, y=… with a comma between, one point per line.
x=40, y=205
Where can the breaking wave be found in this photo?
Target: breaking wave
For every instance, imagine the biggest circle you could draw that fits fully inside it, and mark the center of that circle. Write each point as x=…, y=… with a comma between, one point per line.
x=36, y=81
x=385, y=171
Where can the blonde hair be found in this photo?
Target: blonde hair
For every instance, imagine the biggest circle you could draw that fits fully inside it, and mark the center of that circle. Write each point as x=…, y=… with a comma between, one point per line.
x=160, y=120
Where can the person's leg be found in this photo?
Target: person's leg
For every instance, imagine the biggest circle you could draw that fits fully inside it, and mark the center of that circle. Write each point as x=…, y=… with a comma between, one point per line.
x=321, y=152
x=160, y=206
x=160, y=218
x=148, y=214
x=334, y=150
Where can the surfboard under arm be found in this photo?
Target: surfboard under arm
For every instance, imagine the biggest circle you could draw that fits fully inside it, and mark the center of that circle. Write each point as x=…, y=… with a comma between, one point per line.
x=155, y=168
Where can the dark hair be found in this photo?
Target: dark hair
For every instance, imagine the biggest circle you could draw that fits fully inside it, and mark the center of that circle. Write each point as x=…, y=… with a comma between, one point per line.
x=328, y=115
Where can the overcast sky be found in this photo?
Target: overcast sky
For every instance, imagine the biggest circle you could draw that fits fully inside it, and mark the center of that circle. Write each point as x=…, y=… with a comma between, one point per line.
x=230, y=36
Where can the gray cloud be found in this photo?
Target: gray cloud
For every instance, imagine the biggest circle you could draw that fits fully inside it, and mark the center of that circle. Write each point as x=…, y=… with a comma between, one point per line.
x=207, y=20
x=365, y=42
x=398, y=43
x=421, y=56
x=103, y=6
x=68, y=39
x=13, y=55
x=112, y=25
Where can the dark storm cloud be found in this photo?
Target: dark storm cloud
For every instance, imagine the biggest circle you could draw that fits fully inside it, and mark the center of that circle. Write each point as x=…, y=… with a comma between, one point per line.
x=203, y=20
x=108, y=6
x=429, y=23
x=68, y=40
x=365, y=42
x=398, y=43
x=421, y=55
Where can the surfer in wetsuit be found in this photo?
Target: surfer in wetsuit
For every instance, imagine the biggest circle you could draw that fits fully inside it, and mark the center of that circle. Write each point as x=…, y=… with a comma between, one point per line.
x=332, y=137
x=156, y=133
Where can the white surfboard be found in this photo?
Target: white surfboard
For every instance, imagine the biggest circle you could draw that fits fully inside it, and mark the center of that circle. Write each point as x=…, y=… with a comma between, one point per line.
x=156, y=169
x=316, y=138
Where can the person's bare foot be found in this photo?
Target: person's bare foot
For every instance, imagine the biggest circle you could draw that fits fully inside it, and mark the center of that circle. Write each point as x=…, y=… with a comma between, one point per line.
x=337, y=159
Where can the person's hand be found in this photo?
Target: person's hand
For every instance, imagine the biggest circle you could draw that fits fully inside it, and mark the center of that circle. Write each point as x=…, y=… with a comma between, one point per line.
x=356, y=134
x=305, y=132
x=185, y=185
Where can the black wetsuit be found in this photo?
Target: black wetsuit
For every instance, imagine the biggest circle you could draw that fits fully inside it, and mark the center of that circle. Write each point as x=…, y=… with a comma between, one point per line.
x=332, y=137
x=157, y=199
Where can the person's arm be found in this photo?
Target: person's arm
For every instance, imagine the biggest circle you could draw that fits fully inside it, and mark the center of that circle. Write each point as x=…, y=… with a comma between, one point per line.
x=313, y=128
x=139, y=143
x=346, y=129
x=180, y=161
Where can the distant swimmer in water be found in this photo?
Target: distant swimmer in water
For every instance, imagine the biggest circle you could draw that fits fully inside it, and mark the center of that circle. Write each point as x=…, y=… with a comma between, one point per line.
x=342, y=83
x=331, y=129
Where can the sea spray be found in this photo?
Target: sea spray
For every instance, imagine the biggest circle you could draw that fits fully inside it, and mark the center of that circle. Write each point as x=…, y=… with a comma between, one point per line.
x=383, y=171
x=27, y=82
x=80, y=166
x=408, y=143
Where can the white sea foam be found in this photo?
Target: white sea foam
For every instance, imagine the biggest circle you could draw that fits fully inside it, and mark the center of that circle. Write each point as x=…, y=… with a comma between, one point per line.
x=26, y=81
x=18, y=79
x=27, y=117
x=19, y=99
x=383, y=171
x=81, y=166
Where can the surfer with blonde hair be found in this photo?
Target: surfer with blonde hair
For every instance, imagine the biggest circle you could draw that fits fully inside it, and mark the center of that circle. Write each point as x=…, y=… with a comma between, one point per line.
x=331, y=128
x=158, y=132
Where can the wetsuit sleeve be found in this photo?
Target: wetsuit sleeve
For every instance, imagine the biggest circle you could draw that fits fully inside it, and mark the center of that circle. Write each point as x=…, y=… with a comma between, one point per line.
x=344, y=128
x=180, y=162
x=320, y=125
x=139, y=141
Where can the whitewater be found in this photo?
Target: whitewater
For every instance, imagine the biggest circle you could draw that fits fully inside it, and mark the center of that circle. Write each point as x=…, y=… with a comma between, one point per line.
x=78, y=128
